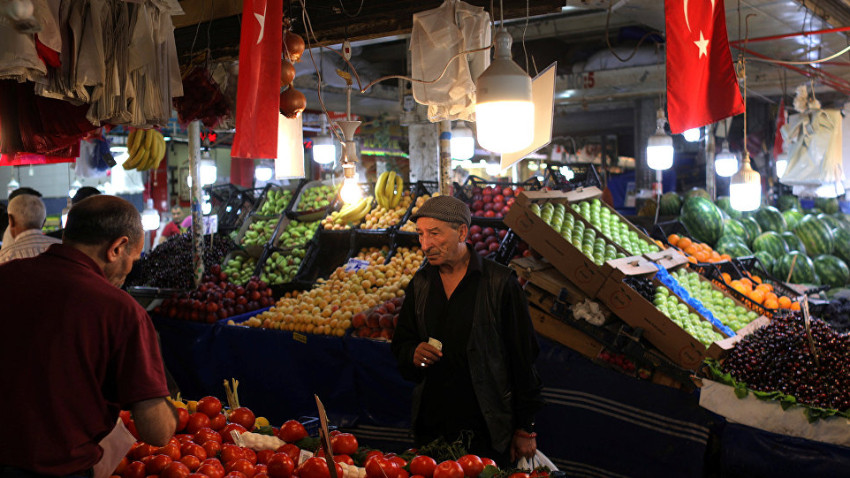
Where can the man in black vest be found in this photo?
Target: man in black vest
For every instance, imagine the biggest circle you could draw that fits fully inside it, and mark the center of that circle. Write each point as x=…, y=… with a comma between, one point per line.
x=465, y=337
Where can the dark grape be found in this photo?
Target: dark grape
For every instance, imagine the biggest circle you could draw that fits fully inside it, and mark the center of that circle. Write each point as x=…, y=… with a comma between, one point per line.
x=642, y=286
x=837, y=314
x=169, y=265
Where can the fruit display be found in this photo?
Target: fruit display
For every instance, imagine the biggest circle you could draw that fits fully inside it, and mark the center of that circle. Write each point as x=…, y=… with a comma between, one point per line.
x=146, y=149
x=297, y=234
x=275, y=202
x=389, y=190
x=329, y=307
x=170, y=265
x=673, y=307
x=722, y=307
x=493, y=201
x=816, y=235
x=831, y=270
x=410, y=226
x=703, y=219
x=597, y=249
x=316, y=197
x=837, y=314
x=217, y=299
x=383, y=217
x=240, y=268
x=485, y=239
x=349, y=216
x=259, y=232
x=378, y=322
x=770, y=219
x=778, y=360
x=696, y=251
x=613, y=227
x=280, y=268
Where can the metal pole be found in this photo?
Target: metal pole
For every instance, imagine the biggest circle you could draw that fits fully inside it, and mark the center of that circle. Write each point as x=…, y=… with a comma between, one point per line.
x=197, y=220
x=445, y=157
x=708, y=154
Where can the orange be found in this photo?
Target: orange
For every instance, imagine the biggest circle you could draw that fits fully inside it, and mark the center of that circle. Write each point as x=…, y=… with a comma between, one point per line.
x=795, y=306
x=704, y=247
x=747, y=282
x=763, y=288
x=691, y=249
x=673, y=239
x=784, y=302
x=726, y=257
x=715, y=256
x=726, y=277
x=702, y=256
x=771, y=304
x=756, y=296
x=692, y=259
x=684, y=243
x=740, y=287
x=771, y=295
x=756, y=279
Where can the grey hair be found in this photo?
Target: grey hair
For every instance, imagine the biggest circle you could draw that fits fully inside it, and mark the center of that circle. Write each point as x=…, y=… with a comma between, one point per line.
x=28, y=211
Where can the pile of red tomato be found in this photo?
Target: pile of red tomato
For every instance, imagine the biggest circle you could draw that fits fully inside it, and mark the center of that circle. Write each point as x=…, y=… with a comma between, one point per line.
x=203, y=448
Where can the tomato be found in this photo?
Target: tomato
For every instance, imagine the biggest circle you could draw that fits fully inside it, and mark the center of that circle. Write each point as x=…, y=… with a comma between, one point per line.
x=241, y=465
x=292, y=450
x=182, y=419
x=416, y=476
x=399, y=460
x=423, y=465
x=193, y=449
x=260, y=475
x=448, y=469
x=135, y=469
x=292, y=431
x=230, y=453
x=280, y=465
x=343, y=459
x=489, y=461
x=250, y=455
x=209, y=406
x=184, y=438
x=317, y=468
x=175, y=470
x=539, y=474
x=207, y=434
x=402, y=473
x=264, y=455
x=380, y=467
x=344, y=443
x=217, y=422
x=214, y=462
x=243, y=416
x=471, y=464
x=131, y=427
x=196, y=475
x=226, y=437
x=125, y=417
x=196, y=422
x=172, y=450
x=141, y=450
x=235, y=474
x=122, y=466
x=260, y=469
x=213, y=448
x=372, y=454
x=519, y=475
x=192, y=462
x=157, y=464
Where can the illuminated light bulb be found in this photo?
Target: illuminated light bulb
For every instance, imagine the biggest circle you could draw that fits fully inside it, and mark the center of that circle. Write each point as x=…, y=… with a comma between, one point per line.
x=692, y=135
x=659, y=147
x=781, y=164
x=745, y=188
x=209, y=172
x=504, y=110
x=150, y=217
x=350, y=191
x=725, y=162
x=463, y=143
x=324, y=150
x=263, y=173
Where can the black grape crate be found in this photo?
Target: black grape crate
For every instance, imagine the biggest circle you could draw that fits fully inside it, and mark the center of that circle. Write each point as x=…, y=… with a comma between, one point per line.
x=420, y=189
x=295, y=187
x=328, y=252
x=363, y=239
x=584, y=175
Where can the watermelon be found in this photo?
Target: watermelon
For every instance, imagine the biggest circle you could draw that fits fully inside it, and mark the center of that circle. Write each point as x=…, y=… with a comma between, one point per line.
x=767, y=260
x=733, y=227
x=697, y=193
x=770, y=242
x=831, y=270
x=842, y=245
x=827, y=205
x=793, y=242
x=792, y=217
x=770, y=219
x=830, y=221
x=844, y=219
x=787, y=202
x=814, y=211
x=733, y=246
x=703, y=219
x=815, y=235
x=671, y=204
x=726, y=206
x=752, y=227
x=804, y=268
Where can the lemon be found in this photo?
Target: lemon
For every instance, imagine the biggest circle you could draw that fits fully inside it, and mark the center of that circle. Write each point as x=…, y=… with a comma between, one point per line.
x=261, y=422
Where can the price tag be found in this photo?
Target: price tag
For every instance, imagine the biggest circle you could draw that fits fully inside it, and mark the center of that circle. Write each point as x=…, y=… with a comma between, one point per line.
x=210, y=224
x=354, y=265
x=299, y=337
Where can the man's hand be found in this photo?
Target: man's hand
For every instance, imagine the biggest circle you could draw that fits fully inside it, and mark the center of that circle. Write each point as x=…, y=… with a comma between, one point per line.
x=523, y=444
x=426, y=355
x=156, y=420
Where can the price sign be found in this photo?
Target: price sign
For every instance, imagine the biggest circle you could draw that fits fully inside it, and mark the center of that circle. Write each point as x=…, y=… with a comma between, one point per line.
x=354, y=265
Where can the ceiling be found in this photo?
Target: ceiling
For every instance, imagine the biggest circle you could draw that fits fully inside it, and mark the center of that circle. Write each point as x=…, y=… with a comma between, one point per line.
x=579, y=34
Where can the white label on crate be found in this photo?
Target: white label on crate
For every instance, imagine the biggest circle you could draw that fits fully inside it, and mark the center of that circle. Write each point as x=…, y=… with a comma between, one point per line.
x=210, y=224
x=354, y=265
x=304, y=456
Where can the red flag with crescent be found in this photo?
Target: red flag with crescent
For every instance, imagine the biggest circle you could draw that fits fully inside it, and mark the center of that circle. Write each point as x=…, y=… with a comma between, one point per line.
x=258, y=90
x=702, y=87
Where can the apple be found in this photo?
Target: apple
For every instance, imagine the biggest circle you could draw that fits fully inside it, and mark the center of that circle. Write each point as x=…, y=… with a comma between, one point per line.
x=493, y=247
x=474, y=229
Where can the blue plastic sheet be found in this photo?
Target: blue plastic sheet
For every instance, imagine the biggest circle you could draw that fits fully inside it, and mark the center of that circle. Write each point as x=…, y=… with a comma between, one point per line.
x=680, y=291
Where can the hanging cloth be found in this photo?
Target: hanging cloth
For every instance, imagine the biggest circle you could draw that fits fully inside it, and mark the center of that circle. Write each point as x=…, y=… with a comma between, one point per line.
x=19, y=59
x=815, y=157
x=438, y=35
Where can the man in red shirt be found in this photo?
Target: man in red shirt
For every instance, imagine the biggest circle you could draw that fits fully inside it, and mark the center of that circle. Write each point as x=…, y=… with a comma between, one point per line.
x=173, y=226
x=76, y=349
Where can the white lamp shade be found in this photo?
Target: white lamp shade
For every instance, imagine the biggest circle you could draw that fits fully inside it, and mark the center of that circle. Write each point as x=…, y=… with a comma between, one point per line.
x=324, y=149
x=209, y=172
x=263, y=173
x=150, y=217
x=692, y=135
x=745, y=197
x=463, y=143
x=659, y=151
x=504, y=110
x=725, y=163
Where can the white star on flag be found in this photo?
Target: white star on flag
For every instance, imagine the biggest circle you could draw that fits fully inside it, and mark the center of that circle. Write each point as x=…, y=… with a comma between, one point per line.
x=262, y=20
x=702, y=44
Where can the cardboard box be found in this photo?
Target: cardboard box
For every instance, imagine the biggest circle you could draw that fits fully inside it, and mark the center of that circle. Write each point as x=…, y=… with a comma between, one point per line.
x=544, y=275
x=567, y=259
x=672, y=340
x=554, y=329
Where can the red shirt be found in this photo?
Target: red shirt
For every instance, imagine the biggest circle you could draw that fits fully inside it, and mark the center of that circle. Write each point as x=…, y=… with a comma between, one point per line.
x=74, y=351
x=170, y=229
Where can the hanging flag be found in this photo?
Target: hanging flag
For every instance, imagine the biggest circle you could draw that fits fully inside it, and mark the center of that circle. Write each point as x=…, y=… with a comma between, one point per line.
x=781, y=119
x=702, y=87
x=258, y=90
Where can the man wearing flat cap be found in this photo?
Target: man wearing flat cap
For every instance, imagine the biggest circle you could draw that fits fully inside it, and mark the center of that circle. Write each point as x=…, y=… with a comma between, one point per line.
x=465, y=337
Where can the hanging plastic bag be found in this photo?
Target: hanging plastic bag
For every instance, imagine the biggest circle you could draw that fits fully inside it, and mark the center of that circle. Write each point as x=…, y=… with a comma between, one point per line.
x=438, y=35
x=536, y=461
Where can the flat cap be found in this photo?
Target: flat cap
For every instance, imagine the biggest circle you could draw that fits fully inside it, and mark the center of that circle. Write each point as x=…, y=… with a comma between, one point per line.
x=444, y=208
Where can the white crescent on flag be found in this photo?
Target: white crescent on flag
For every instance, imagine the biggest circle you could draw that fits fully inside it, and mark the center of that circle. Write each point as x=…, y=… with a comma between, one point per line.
x=688, y=21
x=262, y=20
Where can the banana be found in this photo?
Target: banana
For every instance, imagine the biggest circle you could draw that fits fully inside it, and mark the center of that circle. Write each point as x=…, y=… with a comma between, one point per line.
x=159, y=151
x=399, y=183
x=388, y=189
x=365, y=207
x=133, y=142
x=148, y=138
x=379, y=188
x=163, y=147
x=144, y=154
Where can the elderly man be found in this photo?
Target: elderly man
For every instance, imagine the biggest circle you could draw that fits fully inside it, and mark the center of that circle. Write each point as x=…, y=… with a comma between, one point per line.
x=465, y=337
x=76, y=349
x=26, y=217
x=7, y=234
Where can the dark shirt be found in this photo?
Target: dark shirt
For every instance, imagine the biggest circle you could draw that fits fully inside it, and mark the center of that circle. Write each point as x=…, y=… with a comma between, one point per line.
x=74, y=351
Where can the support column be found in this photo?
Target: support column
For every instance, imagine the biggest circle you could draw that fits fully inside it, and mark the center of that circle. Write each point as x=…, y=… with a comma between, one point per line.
x=424, y=152
x=709, y=152
x=645, y=124
x=197, y=220
x=445, y=166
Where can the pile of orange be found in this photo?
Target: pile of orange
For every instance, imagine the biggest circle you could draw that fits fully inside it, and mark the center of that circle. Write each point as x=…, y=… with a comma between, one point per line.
x=697, y=252
x=759, y=292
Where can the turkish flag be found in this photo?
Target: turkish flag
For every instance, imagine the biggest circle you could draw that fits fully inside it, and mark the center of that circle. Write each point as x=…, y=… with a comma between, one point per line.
x=258, y=89
x=701, y=84
x=781, y=119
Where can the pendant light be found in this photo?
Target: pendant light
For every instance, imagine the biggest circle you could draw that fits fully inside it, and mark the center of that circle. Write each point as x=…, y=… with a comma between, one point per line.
x=504, y=110
x=745, y=186
x=350, y=191
x=659, y=147
x=463, y=142
x=150, y=217
x=725, y=162
x=324, y=149
x=692, y=135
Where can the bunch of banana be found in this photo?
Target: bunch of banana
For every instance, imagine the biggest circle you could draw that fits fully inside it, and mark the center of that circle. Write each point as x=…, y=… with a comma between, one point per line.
x=389, y=189
x=146, y=148
x=349, y=214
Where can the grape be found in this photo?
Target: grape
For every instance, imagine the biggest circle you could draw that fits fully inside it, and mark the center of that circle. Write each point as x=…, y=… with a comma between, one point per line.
x=170, y=265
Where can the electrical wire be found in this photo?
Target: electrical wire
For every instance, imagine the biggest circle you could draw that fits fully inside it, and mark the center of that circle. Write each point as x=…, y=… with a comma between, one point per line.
x=811, y=62
x=346, y=12
x=608, y=39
